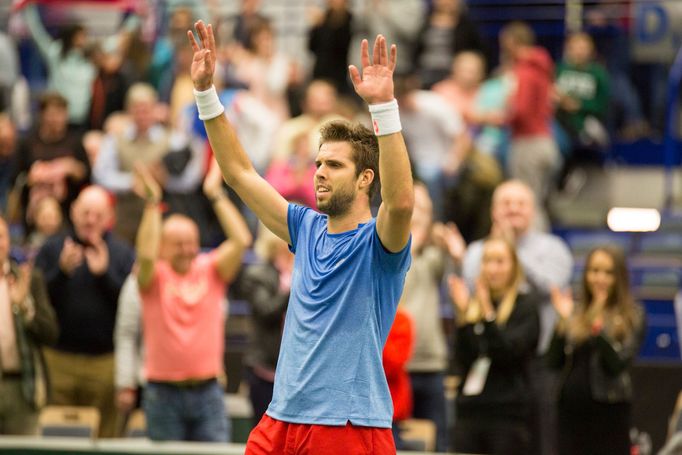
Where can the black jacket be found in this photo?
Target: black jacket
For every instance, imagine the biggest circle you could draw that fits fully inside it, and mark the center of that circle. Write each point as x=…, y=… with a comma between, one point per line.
x=85, y=304
x=506, y=392
x=610, y=361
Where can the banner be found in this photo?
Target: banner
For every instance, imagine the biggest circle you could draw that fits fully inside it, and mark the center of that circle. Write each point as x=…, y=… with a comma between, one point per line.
x=657, y=30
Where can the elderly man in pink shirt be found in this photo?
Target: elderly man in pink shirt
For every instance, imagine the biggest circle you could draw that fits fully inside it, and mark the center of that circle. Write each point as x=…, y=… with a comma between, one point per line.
x=183, y=317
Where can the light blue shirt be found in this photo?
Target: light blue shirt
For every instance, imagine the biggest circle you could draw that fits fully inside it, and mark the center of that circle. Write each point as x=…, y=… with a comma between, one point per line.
x=344, y=293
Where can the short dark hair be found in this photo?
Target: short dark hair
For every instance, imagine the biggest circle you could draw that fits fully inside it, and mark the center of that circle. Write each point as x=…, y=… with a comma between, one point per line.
x=520, y=32
x=48, y=99
x=363, y=142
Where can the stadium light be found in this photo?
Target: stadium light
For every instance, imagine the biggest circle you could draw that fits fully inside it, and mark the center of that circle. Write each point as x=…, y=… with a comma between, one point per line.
x=627, y=219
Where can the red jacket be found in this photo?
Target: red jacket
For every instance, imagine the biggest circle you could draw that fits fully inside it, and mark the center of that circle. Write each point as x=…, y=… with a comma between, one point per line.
x=531, y=104
x=397, y=353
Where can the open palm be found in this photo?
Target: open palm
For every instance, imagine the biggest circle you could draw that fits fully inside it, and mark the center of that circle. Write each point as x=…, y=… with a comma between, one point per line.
x=203, y=61
x=375, y=84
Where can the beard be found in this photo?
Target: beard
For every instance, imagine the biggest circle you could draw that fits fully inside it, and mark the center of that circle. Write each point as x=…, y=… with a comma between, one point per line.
x=338, y=204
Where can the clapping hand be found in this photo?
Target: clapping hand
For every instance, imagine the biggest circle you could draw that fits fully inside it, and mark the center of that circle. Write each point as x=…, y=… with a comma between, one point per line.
x=562, y=302
x=375, y=84
x=448, y=237
x=71, y=257
x=459, y=293
x=97, y=255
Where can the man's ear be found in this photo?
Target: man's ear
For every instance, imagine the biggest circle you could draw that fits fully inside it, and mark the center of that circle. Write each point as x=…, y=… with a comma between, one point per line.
x=366, y=178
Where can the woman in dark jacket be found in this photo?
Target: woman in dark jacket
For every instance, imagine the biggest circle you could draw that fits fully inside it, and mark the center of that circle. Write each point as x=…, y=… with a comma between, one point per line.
x=594, y=344
x=497, y=335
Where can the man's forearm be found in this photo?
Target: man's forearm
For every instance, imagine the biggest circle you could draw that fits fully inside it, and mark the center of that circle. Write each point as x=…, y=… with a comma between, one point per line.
x=397, y=191
x=227, y=149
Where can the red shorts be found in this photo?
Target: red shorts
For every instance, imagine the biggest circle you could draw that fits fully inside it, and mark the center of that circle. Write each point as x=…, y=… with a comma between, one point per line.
x=276, y=437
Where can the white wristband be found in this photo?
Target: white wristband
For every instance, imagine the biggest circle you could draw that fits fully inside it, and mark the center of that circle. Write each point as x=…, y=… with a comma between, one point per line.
x=208, y=103
x=385, y=118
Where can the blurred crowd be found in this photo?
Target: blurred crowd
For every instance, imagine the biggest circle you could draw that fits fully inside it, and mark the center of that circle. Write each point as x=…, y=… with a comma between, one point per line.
x=125, y=307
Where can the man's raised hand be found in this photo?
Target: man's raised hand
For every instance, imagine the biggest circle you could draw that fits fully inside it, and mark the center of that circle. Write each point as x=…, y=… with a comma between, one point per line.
x=375, y=85
x=203, y=62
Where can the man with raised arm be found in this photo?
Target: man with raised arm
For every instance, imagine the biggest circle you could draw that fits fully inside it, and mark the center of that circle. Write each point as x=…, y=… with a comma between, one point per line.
x=182, y=292
x=330, y=394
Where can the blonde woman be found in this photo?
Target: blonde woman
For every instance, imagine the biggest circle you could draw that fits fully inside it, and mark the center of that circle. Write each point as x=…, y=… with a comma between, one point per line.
x=497, y=335
x=594, y=343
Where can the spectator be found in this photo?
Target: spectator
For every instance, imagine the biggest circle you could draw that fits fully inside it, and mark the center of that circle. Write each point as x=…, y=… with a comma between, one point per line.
x=461, y=88
x=496, y=338
x=397, y=20
x=71, y=72
x=183, y=317
x=397, y=353
x=320, y=104
x=48, y=221
x=267, y=72
x=161, y=65
x=469, y=189
x=265, y=285
x=446, y=31
x=583, y=91
x=8, y=150
x=27, y=322
x=111, y=83
x=594, y=344
x=329, y=41
x=291, y=177
x=546, y=262
x=147, y=141
x=533, y=154
x=176, y=86
x=9, y=72
x=84, y=270
x=238, y=27
x=128, y=350
x=492, y=98
x=612, y=42
x=433, y=132
x=51, y=160
x=421, y=300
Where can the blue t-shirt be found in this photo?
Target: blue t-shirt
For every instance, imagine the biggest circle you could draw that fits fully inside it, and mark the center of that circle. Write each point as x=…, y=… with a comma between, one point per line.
x=344, y=293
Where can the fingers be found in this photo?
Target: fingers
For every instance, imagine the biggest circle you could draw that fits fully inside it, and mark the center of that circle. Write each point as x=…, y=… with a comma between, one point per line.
x=394, y=57
x=364, y=53
x=355, y=74
x=211, y=39
x=376, y=53
x=201, y=31
x=383, y=51
x=193, y=41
